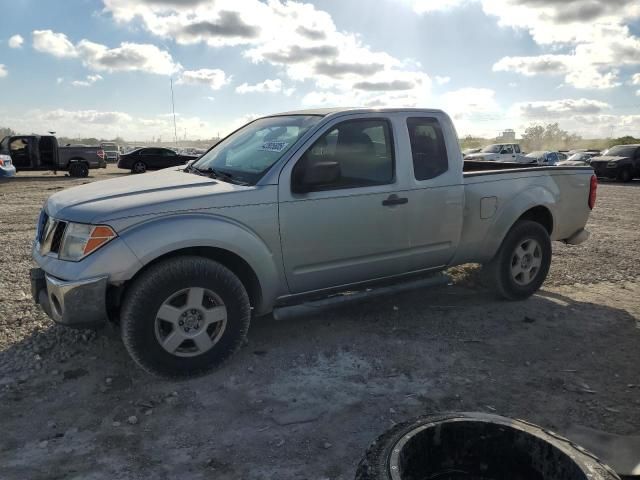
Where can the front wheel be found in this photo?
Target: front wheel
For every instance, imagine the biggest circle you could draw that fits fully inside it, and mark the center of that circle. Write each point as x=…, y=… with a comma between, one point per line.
x=139, y=167
x=184, y=316
x=625, y=175
x=522, y=263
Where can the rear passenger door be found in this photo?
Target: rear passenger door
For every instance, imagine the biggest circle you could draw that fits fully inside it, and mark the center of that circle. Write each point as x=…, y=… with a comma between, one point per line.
x=436, y=193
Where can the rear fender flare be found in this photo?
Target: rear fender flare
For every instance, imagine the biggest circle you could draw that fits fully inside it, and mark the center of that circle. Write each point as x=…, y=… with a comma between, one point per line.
x=534, y=196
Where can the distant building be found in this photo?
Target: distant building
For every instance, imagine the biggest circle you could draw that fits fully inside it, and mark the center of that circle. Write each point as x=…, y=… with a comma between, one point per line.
x=508, y=136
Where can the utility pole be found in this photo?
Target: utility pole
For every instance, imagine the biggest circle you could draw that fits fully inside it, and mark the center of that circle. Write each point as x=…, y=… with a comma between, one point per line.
x=173, y=109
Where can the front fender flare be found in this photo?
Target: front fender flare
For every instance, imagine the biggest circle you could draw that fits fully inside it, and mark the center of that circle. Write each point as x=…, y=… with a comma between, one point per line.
x=156, y=237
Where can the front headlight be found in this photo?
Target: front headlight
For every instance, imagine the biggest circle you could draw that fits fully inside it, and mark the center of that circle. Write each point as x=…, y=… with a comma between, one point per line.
x=81, y=240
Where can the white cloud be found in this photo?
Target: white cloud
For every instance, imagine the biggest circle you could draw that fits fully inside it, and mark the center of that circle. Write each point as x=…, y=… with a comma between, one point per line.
x=297, y=37
x=635, y=79
x=16, y=41
x=428, y=6
x=59, y=80
x=564, y=108
x=56, y=44
x=442, y=80
x=594, y=31
x=268, y=86
x=3, y=71
x=125, y=58
x=105, y=124
x=90, y=80
x=213, y=78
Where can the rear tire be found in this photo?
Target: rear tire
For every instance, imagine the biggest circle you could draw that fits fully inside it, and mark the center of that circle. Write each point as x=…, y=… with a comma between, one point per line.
x=184, y=316
x=139, y=167
x=522, y=263
x=79, y=170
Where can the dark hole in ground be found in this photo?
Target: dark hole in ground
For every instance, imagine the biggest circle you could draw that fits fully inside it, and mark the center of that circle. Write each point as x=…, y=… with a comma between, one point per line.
x=474, y=450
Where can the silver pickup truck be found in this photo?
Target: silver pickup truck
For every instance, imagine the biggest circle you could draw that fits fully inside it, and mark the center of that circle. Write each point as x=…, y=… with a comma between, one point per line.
x=290, y=207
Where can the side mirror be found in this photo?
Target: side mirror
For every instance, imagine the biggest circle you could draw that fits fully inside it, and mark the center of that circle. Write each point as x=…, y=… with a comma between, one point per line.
x=315, y=174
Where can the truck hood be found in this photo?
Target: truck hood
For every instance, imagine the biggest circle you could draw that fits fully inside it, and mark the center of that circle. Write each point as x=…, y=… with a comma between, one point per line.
x=482, y=156
x=161, y=192
x=608, y=158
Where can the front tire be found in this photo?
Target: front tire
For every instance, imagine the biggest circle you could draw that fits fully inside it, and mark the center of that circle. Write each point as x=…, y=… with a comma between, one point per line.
x=522, y=263
x=184, y=316
x=139, y=167
x=625, y=175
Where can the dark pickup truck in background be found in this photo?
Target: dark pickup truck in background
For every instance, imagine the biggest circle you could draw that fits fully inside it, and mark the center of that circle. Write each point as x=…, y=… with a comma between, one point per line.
x=621, y=162
x=41, y=152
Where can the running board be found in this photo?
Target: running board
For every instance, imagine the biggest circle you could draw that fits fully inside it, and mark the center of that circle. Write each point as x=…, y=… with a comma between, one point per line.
x=348, y=297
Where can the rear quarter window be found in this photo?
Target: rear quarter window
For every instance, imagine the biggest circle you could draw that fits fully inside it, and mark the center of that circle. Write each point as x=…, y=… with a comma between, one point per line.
x=428, y=148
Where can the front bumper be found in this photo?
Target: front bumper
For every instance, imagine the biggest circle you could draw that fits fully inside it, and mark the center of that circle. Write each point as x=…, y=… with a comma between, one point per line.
x=78, y=304
x=7, y=171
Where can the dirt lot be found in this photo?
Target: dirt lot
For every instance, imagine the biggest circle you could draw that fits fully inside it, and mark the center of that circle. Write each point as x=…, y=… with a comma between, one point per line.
x=306, y=395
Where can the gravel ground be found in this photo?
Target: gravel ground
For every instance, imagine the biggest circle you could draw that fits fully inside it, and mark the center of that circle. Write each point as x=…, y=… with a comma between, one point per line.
x=306, y=395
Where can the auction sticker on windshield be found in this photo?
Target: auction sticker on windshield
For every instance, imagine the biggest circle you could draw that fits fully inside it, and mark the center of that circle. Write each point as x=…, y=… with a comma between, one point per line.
x=274, y=146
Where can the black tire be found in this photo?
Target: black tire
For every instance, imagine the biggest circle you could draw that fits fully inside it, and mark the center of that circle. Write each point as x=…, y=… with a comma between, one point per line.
x=497, y=274
x=79, y=170
x=625, y=175
x=139, y=167
x=561, y=455
x=149, y=292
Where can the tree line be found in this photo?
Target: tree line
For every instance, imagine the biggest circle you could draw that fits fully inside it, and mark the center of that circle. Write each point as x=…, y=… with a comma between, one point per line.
x=551, y=137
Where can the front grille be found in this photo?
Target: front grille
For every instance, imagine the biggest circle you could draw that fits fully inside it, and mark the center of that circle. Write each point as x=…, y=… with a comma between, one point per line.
x=57, y=237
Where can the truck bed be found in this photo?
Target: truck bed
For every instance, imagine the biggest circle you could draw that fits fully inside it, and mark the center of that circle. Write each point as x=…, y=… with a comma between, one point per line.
x=493, y=189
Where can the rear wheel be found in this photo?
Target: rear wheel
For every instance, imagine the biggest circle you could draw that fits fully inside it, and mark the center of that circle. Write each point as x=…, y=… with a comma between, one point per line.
x=139, y=167
x=184, y=316
x=79, y=170
x=522, y=263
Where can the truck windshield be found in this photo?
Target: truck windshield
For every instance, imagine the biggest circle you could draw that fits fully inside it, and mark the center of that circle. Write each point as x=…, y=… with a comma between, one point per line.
x=248, y=153
x=491, y=149
x=620, y=151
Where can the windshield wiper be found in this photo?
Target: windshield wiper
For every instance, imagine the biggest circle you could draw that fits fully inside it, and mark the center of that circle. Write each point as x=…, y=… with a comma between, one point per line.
x=218, y=174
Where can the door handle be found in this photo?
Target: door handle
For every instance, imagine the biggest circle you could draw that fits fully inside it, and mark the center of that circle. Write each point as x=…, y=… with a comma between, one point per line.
x=393, y=199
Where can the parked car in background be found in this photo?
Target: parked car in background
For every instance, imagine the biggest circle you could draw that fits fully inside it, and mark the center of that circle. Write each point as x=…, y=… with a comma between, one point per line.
x=591, y=151
x=621, y=162
x=152, y=158
x=288, y=207
x=578, y=159
x=112, y=151
x=41, y=152
x=499, y=152
x=543, y=157
x=7, y=169
x=469, y=151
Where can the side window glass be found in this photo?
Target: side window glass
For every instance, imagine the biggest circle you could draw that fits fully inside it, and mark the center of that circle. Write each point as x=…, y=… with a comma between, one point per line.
x=507, y=149
x=428, y=148
x=362, y=150
x=517, y=148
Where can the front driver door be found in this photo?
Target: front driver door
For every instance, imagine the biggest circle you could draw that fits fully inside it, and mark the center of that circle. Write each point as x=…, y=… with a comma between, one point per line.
x=354, y=229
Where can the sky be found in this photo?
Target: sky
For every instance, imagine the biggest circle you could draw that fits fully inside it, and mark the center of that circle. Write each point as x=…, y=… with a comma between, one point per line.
x=104, y=68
